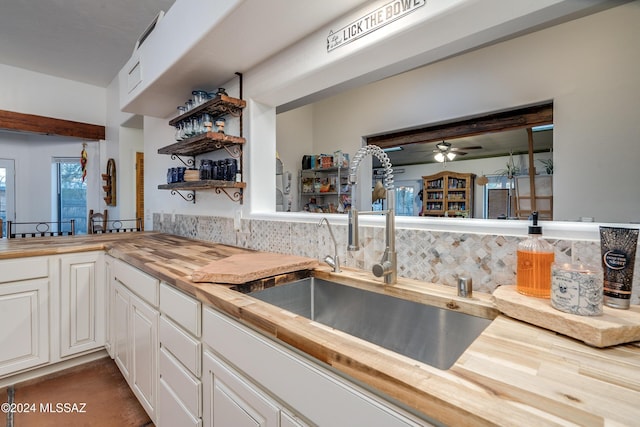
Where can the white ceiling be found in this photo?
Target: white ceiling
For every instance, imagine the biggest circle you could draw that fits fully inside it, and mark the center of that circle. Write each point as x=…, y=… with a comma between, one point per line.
x=83, y=40
x=91, y=40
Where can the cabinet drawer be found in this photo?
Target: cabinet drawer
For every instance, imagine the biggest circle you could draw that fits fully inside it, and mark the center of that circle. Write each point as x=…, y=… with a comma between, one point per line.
x=181, y=382
x=139, y=282
x=23, y=269
x=180, y=344
x=171, y=411
x=181, y=308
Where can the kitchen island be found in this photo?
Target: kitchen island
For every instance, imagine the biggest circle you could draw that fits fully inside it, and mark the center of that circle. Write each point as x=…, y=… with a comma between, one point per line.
x=513, y=374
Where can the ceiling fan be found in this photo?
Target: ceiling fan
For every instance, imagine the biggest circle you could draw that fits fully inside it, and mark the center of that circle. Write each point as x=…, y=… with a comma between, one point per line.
x=444, y=151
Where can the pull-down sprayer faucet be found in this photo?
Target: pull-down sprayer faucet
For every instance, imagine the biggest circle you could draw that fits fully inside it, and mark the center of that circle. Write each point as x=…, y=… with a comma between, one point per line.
x=387, y=267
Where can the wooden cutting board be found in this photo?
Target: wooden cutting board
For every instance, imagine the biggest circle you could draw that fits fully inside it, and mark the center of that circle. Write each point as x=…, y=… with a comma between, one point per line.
x=611, y=328
x=242, y=268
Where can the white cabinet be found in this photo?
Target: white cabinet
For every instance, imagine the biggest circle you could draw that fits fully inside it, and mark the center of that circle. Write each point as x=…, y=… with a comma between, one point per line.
x=52, y=308
x=179, y=394
x=144, y=353
x=299, y=385
x=82, y=303
x=134, y=331
x=180, y=387
x=231, y=400
x=24, y=314
x=120, y=332
x=110, y=286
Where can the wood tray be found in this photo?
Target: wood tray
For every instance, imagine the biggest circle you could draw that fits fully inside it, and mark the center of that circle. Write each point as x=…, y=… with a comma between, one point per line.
x=243, y=268
x=612, y=327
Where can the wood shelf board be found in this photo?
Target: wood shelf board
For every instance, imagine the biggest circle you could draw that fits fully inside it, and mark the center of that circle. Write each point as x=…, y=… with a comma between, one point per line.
x=219, y=106
x=201, y=185
x=206, y=142
x=613, y=327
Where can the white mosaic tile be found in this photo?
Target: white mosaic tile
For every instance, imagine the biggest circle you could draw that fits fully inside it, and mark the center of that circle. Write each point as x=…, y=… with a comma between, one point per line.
x=272, y=236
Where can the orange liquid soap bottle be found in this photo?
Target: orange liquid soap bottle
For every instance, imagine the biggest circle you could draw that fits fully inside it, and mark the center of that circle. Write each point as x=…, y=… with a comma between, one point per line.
x=535, y=256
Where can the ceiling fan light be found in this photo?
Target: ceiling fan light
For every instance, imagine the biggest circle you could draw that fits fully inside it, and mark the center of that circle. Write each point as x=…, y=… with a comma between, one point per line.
x=443, y=146
x=439, y=157
x=451, y=155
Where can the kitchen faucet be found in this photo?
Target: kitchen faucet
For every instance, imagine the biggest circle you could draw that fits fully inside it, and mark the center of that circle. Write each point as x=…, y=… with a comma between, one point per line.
x=388, y=266
x=335, y=260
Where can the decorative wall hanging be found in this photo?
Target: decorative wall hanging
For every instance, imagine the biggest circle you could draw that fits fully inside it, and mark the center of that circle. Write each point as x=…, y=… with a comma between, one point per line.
x=83, y=160
x=110, y=183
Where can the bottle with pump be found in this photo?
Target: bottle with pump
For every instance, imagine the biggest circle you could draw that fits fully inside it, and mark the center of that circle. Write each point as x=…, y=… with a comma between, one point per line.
x=535, y=256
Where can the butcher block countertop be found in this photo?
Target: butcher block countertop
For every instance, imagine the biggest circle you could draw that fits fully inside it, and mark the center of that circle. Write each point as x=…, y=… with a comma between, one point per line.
x=514, y=374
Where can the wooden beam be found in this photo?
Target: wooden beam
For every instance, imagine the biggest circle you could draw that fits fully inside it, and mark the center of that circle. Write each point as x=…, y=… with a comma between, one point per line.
x=49, y=126
x=496, y=122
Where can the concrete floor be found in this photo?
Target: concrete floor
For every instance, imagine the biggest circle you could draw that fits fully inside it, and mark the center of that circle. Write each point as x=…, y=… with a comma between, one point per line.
x=94, y=394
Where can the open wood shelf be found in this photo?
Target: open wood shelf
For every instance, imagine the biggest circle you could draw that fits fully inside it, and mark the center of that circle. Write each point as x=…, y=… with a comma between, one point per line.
x=203, y=143
x=219, y=106
x=201, y=185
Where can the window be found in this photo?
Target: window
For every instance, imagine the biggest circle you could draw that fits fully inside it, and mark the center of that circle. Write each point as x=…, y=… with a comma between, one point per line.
x=70, y=198
x=7, y=200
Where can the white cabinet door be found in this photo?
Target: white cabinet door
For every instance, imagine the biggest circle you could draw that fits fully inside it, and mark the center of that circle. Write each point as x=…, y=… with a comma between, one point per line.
x=110, y=302
x=82, y=303
x=24, y=316
x=144, y=353
x=120, y=333
x=230, y=400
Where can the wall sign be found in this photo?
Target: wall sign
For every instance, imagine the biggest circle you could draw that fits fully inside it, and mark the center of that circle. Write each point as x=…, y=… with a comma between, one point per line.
x=372, y=21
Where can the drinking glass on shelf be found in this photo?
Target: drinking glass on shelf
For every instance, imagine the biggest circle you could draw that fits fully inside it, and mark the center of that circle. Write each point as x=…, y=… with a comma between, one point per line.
x=199, y=97
x=187, y=129
x=179, y=132
x=196, y=122
x=207, y=123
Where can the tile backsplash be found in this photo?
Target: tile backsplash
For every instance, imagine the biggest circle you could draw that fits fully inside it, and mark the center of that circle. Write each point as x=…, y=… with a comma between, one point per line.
x=431, y=256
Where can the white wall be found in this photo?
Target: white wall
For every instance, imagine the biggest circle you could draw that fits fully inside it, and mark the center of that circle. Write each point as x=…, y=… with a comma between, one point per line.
x=588, y=67
x=295, y=139
x=29, y=92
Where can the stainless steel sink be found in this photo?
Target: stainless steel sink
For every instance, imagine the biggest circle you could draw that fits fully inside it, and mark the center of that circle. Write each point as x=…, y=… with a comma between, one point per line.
x=432, y=335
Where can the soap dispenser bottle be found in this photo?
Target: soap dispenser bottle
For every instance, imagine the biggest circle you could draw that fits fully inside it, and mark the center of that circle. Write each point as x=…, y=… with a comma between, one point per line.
x=535, y=256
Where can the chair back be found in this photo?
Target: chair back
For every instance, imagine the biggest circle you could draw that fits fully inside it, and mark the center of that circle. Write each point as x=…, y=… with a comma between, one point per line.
x=121, y=226
x=17, y=230
x=97, y=221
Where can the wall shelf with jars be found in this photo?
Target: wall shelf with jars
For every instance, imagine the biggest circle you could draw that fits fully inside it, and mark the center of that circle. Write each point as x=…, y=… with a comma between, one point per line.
x=200, y=129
